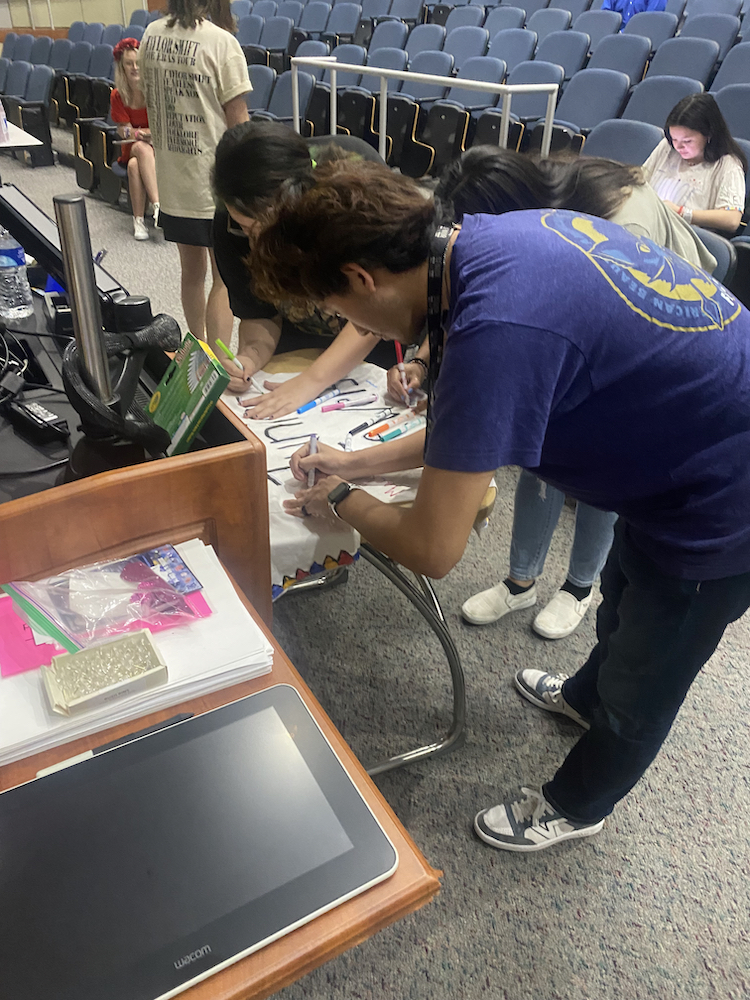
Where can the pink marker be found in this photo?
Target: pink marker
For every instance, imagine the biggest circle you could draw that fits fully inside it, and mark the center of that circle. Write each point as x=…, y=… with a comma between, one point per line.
x=343, y=404
x=402, y=369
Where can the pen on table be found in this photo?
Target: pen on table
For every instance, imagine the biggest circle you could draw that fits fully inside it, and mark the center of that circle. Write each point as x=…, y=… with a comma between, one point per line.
x=410, y=425
x=391, y=423
x=369, y=423
x=401, y=368
x=326, y=396
x=100, y=256
x=343, y=404
x=313, y=451
x=157, y=727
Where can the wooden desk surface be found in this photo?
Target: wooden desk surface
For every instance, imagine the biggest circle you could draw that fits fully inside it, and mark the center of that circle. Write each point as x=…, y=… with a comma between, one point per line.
x=259, y=975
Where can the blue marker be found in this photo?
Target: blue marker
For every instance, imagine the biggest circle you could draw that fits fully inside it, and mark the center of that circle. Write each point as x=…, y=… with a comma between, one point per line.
x=321, y=399
x=326, y=396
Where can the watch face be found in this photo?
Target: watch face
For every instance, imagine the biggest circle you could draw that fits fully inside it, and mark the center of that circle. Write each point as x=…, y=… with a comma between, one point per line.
x=338, y=493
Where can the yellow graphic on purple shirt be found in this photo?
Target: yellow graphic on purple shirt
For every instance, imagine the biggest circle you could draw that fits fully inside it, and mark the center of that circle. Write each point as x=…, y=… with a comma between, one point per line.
x=655, y=283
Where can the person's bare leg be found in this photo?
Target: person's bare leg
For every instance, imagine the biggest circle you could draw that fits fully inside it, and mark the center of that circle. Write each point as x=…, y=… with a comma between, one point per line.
x=194, y=264
x=144, y=155
x=136, y=189
x=219, y=318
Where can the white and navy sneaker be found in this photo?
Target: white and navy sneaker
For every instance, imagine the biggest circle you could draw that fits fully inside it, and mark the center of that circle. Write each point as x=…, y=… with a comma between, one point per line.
x=545, y=691
x=527, y=822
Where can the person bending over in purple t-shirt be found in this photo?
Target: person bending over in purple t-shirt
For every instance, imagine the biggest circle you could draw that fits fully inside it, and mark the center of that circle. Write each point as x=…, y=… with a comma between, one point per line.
x=609, y=367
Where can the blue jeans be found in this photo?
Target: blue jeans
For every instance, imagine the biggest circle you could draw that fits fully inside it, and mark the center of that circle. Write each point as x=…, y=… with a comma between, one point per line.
x=535, y=516
x=655, y=632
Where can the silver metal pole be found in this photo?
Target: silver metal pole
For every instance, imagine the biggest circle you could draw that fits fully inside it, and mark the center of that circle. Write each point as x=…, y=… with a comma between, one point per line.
x=49, y=12
x=548, y=119
x=295, y=98
x=505, y=119
x=383, y=126
x=31, y=14
x=334, y=111
x=83, y=298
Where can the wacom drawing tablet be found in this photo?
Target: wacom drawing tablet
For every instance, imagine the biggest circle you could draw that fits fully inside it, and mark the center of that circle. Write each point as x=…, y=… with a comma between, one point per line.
x=134, y=874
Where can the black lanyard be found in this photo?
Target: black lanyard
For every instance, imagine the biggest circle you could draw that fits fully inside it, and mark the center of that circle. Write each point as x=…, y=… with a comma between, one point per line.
x=435, y=269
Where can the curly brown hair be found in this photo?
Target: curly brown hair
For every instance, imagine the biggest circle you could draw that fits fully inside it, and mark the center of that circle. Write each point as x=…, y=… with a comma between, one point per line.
x=355, y=212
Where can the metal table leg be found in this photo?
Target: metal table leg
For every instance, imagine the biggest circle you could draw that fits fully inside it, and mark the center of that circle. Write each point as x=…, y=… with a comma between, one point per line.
x=428, y=606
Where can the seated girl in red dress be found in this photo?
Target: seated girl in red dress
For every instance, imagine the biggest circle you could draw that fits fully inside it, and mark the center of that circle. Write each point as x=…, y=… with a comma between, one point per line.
x=128, y=111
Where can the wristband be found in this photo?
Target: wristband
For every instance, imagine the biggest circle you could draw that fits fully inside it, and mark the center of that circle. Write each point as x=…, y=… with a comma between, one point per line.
x=419, y=361
x=681, y=210
x=688, y=215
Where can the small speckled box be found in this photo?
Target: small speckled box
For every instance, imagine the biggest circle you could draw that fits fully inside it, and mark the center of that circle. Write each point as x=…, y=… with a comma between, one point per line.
x=93, y=677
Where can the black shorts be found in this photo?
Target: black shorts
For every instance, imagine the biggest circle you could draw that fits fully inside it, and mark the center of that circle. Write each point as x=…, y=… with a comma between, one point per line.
x=192, y=232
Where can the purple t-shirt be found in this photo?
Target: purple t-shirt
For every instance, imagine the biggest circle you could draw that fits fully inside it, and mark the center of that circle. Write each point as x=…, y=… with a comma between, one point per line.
x=612, y=369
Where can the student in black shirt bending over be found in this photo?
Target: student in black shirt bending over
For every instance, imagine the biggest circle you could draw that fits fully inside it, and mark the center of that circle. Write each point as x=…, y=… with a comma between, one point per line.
x=253, y=160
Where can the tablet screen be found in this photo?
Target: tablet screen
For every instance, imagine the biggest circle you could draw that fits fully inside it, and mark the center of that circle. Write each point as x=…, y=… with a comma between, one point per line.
x=144, y=867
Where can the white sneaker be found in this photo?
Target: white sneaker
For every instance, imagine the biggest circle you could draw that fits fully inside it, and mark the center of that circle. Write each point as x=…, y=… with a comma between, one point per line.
x=491, y=605
x=139, y=228
x=527, y=822
x=545, y=691
x=562, y=615
x=156, y=209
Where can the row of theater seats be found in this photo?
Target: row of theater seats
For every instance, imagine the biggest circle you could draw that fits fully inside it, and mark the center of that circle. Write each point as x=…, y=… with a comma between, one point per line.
x=516, y=55
x=697, y=52
x=680, y=8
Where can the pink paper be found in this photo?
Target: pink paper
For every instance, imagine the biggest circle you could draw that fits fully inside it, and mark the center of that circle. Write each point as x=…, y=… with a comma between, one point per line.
x=18, y=650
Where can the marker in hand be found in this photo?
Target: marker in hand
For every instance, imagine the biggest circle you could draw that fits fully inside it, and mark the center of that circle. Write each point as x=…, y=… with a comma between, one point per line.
x=313, y=451
x=402, y=369
x=232, y=357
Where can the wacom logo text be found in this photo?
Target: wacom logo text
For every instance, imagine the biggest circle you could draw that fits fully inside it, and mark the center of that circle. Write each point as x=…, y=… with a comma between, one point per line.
x=192, y=957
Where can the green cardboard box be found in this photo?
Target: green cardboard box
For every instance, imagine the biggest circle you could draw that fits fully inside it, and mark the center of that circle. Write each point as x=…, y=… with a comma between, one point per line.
x=188, y=392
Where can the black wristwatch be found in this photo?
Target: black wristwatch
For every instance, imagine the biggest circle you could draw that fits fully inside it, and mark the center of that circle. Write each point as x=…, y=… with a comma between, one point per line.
x=337, y=494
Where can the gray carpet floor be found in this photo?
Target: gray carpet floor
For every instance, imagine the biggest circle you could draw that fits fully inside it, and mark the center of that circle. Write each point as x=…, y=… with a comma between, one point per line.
x=656, y=906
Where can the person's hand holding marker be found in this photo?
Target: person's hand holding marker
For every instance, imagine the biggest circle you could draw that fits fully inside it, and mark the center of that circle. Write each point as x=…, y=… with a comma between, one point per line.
x=239, y=369
x=414, y=373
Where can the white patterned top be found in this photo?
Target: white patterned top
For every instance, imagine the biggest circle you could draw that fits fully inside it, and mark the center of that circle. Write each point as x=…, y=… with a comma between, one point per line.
x=703, y=186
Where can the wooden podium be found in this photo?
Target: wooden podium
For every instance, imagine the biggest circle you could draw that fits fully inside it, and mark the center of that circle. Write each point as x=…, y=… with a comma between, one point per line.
x=220, y=496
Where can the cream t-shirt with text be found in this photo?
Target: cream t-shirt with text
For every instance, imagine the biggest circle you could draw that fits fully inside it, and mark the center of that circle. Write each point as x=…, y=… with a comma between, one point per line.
x=188, y=75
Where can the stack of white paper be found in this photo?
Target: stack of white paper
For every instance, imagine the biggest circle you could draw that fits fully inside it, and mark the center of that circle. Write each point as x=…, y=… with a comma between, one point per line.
x=211, y=653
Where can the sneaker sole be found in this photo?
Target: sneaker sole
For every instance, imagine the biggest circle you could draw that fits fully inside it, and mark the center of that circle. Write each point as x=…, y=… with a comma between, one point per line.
x=504, y=845
x=531, y=696
x=548, y=634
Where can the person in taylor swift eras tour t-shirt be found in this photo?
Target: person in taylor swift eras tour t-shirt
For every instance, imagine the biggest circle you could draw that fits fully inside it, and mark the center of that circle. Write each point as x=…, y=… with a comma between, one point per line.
x=195, y=79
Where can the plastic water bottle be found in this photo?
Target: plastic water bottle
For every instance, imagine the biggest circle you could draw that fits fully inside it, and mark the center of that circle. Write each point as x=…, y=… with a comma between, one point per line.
x=16, y=300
